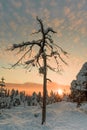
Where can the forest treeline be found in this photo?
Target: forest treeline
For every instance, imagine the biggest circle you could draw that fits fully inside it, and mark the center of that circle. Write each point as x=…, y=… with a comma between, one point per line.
x=10, y=98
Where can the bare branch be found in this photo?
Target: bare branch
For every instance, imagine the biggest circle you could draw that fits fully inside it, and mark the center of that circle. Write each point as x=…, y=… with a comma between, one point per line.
x=41, y=24
x=55, y=57
x=20, y=45
x=64, y=52
x=20, y=59
x=49, y=80
x=38, y=64
x=24, y=44
x=28, y=67
x=35, y=59
x=39, y=54
x=49, y=30
x=37, y=32
x=29, y=61
x=6, y=67
x=53, y=69
x=61, y=59
x=50, y=39
x=55, y=53
x=50, y=46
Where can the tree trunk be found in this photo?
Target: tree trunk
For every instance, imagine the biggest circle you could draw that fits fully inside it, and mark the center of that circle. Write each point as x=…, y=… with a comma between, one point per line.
x=44, y=90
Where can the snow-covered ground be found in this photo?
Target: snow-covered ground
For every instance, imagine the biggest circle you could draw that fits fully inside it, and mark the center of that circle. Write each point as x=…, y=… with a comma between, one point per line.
x=60, y=116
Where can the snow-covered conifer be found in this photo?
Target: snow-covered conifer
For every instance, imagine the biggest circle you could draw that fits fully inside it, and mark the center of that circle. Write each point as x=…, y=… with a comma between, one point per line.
x=34, y=99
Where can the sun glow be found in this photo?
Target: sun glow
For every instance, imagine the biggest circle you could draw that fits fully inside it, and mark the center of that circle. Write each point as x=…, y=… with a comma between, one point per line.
x=60, y=91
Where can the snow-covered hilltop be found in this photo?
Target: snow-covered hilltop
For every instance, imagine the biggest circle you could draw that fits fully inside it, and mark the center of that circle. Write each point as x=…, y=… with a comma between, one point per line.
x=80, y=84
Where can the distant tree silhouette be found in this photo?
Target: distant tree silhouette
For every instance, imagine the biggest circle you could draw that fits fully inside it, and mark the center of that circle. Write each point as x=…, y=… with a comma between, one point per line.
x=2, y=87
x=39, y=53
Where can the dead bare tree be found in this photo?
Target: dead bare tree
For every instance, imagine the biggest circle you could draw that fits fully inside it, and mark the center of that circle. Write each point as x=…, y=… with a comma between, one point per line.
x=47, y=49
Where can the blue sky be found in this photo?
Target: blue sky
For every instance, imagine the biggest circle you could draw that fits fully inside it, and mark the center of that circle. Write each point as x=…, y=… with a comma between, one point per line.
x=67, y=17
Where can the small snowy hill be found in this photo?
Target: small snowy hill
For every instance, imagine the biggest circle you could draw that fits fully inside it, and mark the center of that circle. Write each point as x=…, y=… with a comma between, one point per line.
x=60, y=116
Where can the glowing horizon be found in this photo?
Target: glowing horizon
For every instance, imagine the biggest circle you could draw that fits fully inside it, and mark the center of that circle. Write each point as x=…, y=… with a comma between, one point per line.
x=29, y=88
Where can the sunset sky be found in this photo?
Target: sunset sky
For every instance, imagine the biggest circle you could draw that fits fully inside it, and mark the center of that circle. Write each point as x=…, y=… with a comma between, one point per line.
x=18, y=21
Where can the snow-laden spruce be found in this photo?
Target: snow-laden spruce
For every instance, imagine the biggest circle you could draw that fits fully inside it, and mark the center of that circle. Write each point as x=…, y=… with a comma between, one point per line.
x=79, y=86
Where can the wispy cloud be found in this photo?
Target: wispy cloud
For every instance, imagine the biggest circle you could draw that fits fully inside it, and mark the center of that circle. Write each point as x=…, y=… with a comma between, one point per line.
x=16, y=4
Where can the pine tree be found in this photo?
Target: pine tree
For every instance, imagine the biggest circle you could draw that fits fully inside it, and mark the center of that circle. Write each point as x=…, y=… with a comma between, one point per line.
x=34, y=99
x=39, y=99
x=52, y=97
x=2, y=93
x=2, y=87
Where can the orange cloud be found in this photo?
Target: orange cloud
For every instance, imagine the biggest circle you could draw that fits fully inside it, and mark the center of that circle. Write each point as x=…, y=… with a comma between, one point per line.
x=53, y=3
x=67, y=10
x=57, y=22
x=59, y=33
x=79, y=22
x=76, y=19
x=18, y=17
x=33, y=14
x=69, y=14
x=77, y=39
x=81, y=4
x=46, y=14
x=83, y=31
x=13, y=25
x=16, y=4
x=75, y=24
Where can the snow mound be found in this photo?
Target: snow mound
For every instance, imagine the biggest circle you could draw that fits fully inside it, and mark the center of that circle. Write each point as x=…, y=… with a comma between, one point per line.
x=60, y=116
